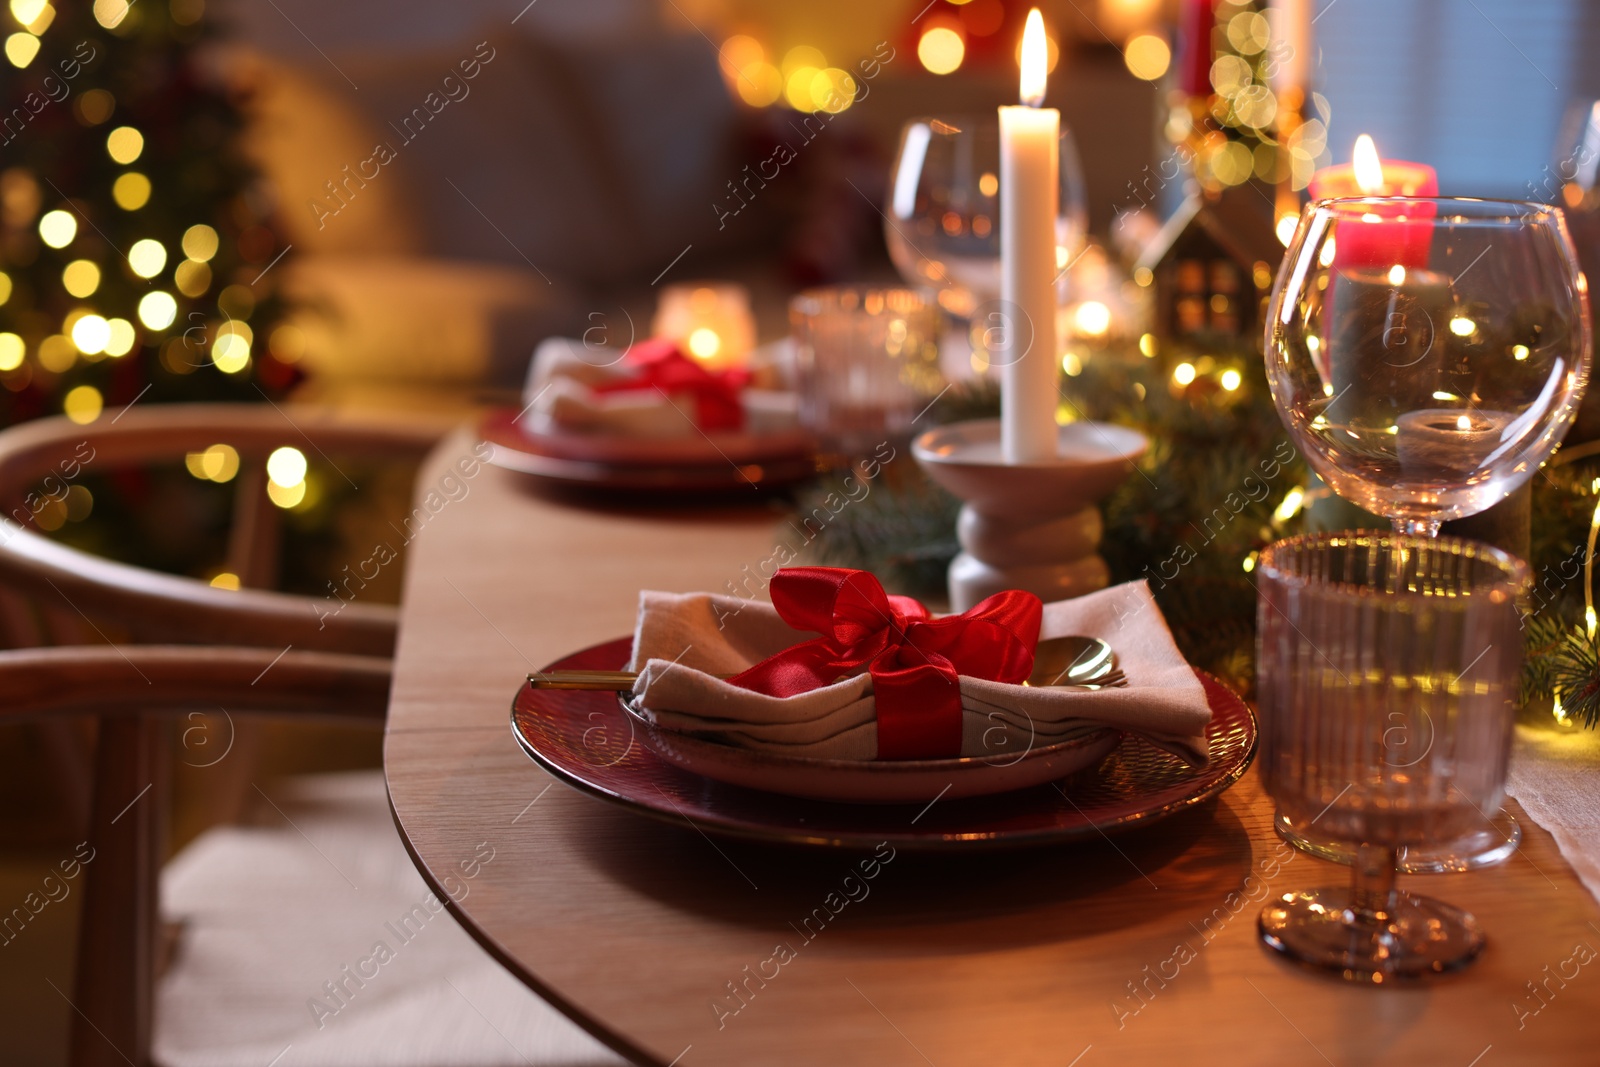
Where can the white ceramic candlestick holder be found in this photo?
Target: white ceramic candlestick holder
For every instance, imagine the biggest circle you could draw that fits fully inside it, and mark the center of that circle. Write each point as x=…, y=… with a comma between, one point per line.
x=1032, y=526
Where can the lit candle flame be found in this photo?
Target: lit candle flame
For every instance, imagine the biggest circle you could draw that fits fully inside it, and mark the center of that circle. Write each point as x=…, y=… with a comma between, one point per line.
x=1035, y=60
x=1367, y=166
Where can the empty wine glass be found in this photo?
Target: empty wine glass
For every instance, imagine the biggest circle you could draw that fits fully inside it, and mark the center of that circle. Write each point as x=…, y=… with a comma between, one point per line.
x=1426, y=356
x=942, y=224
x=1387, y=677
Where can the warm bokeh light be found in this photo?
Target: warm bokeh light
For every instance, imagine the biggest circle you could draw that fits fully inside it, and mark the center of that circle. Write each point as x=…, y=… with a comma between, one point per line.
x=288, y=344
x=1367, y=166
x=11, y=351
x=123, y=335
x=200, y=242
x=1147, y=57
x=192, y=278
x=1233, y=163
x=832, y=90
x=1183, y=373
x=1397, y=275
x=759, y=84
x=1229, y=74
x=1285, y=229
x=797, y=89
x=738, y=52
x=157, y=310
x=57, y=228
x=988, y=184
x=1249, y=32
x=124, y=144
x=27, y=11
x=147, y=257
x=110, y=13
x=231, y=353
x=225, y=580
x=57, y=353
x=287, y=466
x=1231, y=380
x=1255, y=107
x=219, y=463
x=286, y=496
x=131, y=191
x=91, y=333
x=21, y=48
x=81, y=278
x=5, y=287
x=704, y=343
x=95, y=106
x=236, y=301
x=747, y=70
x=1289, y=506
x=801, y=57
x=1092, y=318
x=83, y=404
x=940, y=50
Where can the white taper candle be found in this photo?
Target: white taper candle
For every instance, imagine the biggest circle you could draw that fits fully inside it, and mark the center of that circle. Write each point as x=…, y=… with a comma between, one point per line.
x=1029, y=198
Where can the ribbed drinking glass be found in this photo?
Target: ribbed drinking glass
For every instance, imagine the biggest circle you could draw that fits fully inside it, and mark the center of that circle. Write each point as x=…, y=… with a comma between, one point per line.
x=1387, y=677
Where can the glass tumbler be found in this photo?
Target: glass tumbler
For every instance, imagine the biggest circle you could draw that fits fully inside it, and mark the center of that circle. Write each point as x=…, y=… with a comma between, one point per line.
x=1387, y=677
x=866, y=363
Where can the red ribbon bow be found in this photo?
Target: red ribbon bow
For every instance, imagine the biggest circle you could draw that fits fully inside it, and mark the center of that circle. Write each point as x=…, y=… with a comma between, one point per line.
x=662, y=365
x=913, y=658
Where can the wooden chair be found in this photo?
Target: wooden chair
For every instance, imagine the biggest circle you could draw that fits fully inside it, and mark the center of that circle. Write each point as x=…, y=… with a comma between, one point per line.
x=180, y=647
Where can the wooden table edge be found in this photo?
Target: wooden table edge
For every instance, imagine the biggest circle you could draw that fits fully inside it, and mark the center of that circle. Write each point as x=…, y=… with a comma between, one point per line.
x=613, y=1040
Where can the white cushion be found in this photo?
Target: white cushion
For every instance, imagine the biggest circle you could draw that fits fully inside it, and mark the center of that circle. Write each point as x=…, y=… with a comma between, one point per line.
x=270, y=915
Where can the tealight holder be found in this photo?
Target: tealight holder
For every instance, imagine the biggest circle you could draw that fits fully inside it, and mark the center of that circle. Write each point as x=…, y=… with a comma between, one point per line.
x=1033, y=526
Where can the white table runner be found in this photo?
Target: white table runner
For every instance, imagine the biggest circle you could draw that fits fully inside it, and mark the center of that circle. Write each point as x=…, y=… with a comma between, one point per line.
x=1555, y=776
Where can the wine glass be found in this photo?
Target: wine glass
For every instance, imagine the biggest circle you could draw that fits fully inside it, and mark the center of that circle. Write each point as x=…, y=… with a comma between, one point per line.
x=1387, y=672
x=942, y=224
x=1426, y=356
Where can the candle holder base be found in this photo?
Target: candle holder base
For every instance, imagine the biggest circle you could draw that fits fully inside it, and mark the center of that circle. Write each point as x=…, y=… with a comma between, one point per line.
x=1032, y=526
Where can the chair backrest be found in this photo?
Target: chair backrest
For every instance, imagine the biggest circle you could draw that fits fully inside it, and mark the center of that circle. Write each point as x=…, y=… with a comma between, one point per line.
x=132, y=689
x=168, y=608
x=194, y=647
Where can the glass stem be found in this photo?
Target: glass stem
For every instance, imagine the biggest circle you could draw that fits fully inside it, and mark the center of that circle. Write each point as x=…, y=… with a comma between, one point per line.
x=1417, y=527
x=1372, y=882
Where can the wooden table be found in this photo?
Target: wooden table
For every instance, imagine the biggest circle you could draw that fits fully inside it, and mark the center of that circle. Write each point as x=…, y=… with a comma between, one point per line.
x=1134, y=950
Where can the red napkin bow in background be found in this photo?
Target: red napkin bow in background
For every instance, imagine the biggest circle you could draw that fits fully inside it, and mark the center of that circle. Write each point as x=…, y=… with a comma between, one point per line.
x=914, y=658
x=660, y=364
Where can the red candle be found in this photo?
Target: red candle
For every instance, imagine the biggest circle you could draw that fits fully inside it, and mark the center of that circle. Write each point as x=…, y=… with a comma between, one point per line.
x=1379, y=237
x=1199, y=23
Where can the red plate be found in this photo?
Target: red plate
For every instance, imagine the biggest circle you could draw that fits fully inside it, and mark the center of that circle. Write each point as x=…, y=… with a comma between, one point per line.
x=587, y=740
x=714, y=462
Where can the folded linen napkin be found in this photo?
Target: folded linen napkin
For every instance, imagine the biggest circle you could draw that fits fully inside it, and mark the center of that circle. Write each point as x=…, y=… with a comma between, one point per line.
x=573, y=387
x=682, y=639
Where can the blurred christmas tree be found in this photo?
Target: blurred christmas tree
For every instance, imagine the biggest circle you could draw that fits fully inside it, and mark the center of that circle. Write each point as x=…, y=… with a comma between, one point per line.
x=137, y=264
x=135, y=243
x=1236, y=116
